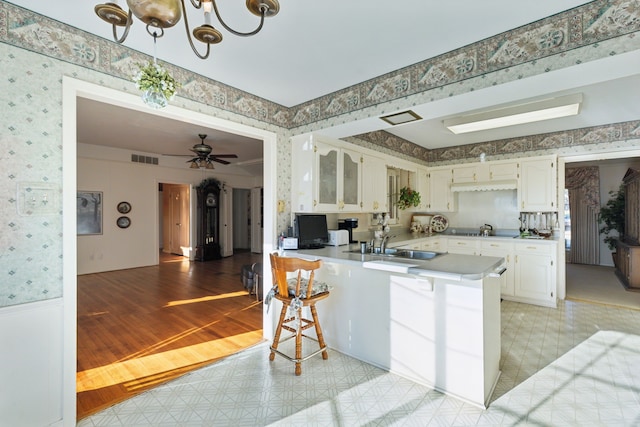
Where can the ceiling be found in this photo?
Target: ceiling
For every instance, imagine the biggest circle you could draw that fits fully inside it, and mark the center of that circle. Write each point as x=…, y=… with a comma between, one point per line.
x=311, y=49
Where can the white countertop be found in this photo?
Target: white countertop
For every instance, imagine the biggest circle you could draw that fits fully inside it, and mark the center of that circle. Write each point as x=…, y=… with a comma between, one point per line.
x=449, y=266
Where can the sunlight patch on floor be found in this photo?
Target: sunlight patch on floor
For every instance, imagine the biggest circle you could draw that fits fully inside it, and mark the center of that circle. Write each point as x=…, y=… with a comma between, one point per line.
x=207, y=298
x=144, y=367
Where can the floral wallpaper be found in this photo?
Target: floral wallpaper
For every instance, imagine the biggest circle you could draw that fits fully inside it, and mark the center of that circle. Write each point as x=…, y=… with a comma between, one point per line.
x=35, y=52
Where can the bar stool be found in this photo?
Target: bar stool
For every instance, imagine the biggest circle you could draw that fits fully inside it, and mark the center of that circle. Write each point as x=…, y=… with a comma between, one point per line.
x=295, y=293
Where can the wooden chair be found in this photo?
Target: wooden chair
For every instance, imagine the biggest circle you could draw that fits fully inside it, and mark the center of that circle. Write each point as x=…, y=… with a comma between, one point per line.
x=295, y=293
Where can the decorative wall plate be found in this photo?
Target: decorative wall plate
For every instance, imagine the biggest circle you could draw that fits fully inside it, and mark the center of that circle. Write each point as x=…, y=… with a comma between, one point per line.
x=123, y=222
x=439, y=223
x=124, y=207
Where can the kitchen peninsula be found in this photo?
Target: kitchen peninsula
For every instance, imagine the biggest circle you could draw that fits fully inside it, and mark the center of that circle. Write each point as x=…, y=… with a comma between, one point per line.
x=435, y=321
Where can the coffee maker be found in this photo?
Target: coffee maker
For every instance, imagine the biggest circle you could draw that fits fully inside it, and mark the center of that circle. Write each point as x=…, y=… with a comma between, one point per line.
x=348, y=224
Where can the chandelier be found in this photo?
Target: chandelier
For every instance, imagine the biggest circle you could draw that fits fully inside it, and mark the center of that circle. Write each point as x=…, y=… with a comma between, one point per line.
x=161, y=14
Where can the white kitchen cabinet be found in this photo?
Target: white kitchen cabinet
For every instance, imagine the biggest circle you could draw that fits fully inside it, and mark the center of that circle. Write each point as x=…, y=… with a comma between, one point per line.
x=464, y=174
x=339, y=177
x=440, y=195
x=503, y=171
x=535, y=273
x=469, y=246
x=504, y=250
x=422, y=187
x=374, y=184
x=537, y=187
x=325, y=177
x=435, y=244
x=485, y=172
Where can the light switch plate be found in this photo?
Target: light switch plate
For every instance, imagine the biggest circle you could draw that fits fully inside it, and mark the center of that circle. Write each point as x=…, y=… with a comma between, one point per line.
x=38, y=198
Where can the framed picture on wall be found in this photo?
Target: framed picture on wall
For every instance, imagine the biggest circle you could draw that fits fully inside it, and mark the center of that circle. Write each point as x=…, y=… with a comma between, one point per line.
x=89, y=212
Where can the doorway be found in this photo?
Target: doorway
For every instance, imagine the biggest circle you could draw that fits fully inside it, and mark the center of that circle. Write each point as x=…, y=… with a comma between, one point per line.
x=175, y=223
x=594, y=281
x=72, y=90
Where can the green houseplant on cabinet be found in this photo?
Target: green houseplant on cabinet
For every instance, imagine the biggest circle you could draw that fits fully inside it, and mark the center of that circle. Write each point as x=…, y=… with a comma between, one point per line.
x=612, y=216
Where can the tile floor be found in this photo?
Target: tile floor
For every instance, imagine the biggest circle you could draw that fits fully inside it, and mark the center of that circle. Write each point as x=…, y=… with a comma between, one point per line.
x=248, y=390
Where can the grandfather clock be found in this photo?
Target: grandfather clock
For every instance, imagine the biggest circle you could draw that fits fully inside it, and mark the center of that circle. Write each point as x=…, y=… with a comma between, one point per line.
x=208, y=212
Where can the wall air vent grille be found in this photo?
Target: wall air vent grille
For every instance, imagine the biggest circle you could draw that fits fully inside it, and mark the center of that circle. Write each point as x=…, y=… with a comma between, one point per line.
x=139, y=158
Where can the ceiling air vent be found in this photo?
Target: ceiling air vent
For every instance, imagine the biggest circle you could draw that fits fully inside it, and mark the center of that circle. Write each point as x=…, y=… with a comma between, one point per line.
x=139, y=158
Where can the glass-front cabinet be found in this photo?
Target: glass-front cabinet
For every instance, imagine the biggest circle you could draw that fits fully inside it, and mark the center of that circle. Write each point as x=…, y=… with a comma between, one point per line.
x=338, y=179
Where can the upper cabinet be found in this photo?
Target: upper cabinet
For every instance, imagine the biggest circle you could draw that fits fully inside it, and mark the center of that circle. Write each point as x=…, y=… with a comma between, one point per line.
x=335, y=176
x=537, y=186
x=374, y=173
x=422, y=186
x=485, y=172
x=326, y=177
x=440, y=195
x=338, y=179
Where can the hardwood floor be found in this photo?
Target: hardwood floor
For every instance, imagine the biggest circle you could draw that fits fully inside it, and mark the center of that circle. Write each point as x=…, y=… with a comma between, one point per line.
x=144, y=326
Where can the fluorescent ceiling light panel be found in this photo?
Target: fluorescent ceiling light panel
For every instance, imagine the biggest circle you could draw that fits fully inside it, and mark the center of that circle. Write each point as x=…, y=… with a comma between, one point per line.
x=400, y=118
x=526, y=113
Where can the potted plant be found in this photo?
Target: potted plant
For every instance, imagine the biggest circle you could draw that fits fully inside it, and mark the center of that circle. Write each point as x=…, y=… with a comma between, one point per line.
x=408, y=198
x=612, y=216
x=158, y=85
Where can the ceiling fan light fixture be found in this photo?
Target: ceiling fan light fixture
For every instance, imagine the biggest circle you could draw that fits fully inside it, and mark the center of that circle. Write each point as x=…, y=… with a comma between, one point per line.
x=209, y=165
x=547, y=109
x=194, y=164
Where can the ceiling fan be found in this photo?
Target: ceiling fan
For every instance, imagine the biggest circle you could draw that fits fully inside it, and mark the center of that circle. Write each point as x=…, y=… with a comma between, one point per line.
x=204, y=158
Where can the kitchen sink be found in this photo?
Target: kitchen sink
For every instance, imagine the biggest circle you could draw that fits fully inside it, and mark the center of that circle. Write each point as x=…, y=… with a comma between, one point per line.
x=414, y=254
x=403, y=253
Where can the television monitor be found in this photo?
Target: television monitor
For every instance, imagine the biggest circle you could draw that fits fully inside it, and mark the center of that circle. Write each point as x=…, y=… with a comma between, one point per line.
x=312, y=231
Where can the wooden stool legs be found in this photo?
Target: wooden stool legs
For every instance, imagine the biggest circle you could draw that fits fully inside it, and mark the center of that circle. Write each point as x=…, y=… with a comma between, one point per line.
x=314, y=315
x=298, y=335
x=276, y=338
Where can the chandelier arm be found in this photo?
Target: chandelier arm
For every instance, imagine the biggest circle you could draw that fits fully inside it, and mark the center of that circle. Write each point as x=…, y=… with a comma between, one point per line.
x=197, y=4
x=126, y=29
x=263, y=10
x=186, y=26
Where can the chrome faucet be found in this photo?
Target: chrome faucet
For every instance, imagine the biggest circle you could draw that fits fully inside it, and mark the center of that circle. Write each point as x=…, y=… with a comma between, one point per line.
x=383, y=245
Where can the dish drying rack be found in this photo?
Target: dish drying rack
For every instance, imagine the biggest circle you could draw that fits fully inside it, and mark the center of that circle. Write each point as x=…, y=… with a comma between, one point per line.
x=539, y=223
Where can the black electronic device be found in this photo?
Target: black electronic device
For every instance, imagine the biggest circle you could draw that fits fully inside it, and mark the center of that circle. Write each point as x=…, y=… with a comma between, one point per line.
x=348, y=224
x=312, y=231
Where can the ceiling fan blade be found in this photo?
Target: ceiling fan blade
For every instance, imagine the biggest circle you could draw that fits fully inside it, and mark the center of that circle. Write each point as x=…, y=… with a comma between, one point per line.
x=232, y=156
x=224, y=162
x=179, y=155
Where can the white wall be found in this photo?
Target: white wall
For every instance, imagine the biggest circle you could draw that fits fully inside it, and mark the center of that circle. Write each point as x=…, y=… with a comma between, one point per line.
x=136, y=183
x=32, y=352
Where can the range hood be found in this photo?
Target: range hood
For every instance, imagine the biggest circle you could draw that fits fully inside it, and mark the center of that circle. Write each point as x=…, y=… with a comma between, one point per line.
x=507, y=184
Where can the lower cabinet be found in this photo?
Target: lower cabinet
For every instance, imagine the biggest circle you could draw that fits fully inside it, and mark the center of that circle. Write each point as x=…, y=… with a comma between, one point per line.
x=503, y=250
x=535, y=274
x=463, y=246
x=531, y=274
x=435, y=244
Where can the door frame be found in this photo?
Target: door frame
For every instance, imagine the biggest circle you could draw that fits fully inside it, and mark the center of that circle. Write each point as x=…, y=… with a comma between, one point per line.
x=71, y=90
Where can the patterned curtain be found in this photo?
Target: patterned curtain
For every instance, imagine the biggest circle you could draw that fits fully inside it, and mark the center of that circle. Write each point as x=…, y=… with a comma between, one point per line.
x=583, y=185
